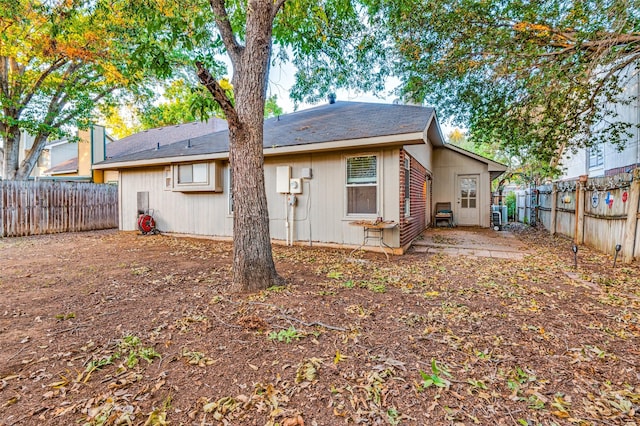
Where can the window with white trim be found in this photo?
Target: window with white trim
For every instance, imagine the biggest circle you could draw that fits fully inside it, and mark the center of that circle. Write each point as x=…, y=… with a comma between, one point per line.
x=596, y=156
x=193, y=173
x=362, y=185
x=195, y=177
x=168, y=177
x=407, y=187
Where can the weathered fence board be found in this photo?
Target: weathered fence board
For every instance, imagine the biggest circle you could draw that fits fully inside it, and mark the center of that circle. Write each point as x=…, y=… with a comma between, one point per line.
x=608, y=207
x=44, y=207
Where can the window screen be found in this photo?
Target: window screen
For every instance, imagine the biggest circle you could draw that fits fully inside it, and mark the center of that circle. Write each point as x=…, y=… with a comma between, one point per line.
x=362, y=185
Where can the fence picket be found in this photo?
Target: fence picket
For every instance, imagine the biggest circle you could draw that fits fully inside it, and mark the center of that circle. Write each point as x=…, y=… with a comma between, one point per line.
x=44, y=207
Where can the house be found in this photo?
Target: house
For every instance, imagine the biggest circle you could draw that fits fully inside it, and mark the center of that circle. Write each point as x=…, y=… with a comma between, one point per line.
x=604, y=158
x=152, y=138
x=71, y=158
x=327, y=169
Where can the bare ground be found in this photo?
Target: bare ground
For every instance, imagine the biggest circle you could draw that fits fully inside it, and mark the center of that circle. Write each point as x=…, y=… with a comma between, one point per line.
x=110, y=328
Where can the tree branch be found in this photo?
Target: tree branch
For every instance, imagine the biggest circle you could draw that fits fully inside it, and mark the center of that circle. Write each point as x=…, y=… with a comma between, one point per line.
x=34, y=88
x=219, y=95
x=276, y=6
x=234, y=49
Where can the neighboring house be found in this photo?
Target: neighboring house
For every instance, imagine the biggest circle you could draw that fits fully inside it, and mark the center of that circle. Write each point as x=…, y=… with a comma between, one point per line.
x=345, y=162
x=606, y=159
x=71, y=159
x=65, y=159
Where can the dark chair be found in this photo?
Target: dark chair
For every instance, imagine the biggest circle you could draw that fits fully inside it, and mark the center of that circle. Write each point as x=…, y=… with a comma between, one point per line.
x=443, y=214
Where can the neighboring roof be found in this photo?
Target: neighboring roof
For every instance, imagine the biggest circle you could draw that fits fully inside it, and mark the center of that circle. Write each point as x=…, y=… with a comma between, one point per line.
x=329, y=126
x=68, y=166
x=149, y=139
x=495, y=169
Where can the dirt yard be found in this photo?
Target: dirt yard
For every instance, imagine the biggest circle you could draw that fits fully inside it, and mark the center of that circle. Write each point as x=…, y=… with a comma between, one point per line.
x=111, y=328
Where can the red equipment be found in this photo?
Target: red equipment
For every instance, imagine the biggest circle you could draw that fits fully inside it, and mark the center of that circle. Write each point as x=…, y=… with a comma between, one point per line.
x=146, y=224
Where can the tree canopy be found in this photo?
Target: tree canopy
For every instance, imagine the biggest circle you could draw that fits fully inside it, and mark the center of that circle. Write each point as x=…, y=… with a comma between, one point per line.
x=181, y=102
x=58, y=60
x=539, y=77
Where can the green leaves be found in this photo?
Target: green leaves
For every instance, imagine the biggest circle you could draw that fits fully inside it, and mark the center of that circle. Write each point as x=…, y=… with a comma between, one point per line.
x=436, y=377
x=286, y=336
x=535, y=76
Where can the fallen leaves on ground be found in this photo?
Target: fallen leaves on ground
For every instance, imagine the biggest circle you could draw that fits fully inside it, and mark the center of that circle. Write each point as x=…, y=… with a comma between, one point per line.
x=147, y=333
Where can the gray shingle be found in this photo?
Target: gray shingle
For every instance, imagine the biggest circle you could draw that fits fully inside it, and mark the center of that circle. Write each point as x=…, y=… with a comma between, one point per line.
x=148, y=139
x=326, y=123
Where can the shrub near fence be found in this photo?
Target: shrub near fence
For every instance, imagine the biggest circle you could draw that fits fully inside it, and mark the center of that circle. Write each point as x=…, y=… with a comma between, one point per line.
x=600, y=212
x=45, y=207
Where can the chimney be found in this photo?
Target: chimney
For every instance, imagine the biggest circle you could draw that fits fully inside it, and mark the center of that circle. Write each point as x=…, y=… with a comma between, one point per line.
x=332, y=98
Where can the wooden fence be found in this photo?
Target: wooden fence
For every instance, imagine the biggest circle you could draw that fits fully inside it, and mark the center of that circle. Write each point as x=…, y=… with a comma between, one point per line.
x=600, y=212
x=45, y=207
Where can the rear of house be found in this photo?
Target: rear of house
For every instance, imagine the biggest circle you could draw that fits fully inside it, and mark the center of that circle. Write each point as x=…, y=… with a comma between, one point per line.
x=327, y=170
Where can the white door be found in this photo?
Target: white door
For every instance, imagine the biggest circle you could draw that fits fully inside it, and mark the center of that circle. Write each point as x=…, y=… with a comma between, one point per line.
x=468, y=211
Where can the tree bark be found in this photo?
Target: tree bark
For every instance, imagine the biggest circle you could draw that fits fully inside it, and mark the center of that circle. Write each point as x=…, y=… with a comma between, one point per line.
x=253, y=266
x=11, y=137
x=29, y=163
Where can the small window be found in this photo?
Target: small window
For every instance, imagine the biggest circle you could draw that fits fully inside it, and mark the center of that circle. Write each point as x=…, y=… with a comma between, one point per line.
x=192, y=173
x=167, y=177
x=362, y=185
x=407, y=187
x=596, y=156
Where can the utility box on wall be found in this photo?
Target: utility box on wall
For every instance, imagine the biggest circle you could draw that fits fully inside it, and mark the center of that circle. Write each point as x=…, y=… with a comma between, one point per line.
x=283, y=176
x=295, y=186
x=306, y=173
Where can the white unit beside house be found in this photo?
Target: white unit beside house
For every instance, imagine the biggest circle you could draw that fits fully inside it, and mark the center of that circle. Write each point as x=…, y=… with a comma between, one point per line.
x=344, y=162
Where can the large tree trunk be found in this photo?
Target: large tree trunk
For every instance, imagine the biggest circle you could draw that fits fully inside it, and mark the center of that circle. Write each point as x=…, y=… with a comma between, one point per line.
x=28, y=164
x=11, y=139
x=253, y=266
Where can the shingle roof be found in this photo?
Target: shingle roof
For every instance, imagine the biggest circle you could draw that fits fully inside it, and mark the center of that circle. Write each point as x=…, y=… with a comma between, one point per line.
x=148, y=139
x=68, y=166
x=326, y=123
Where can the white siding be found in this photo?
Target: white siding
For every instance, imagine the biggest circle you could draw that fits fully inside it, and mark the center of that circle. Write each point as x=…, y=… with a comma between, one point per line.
x=576, y=164
x=63, y=152
x=423, y=153
x=320, y=214
x=448, y=166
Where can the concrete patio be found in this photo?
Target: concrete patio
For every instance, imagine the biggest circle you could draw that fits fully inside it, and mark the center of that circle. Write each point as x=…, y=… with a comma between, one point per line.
x=471, y=241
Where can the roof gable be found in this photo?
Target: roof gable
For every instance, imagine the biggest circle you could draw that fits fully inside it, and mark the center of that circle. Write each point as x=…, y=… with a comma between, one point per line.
x=495, y=169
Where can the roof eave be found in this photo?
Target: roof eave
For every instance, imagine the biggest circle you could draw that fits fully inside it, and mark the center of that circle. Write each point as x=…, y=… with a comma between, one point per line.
x=378, y=141
x=493, y=166
x=433, y=132
x=60, y=172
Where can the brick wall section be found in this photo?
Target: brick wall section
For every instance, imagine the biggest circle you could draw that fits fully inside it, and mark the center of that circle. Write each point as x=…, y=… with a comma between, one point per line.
x=618, y=170
x=412, y=226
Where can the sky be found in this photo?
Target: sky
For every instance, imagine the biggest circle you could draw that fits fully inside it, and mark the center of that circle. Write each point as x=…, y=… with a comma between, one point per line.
x=282, y=78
